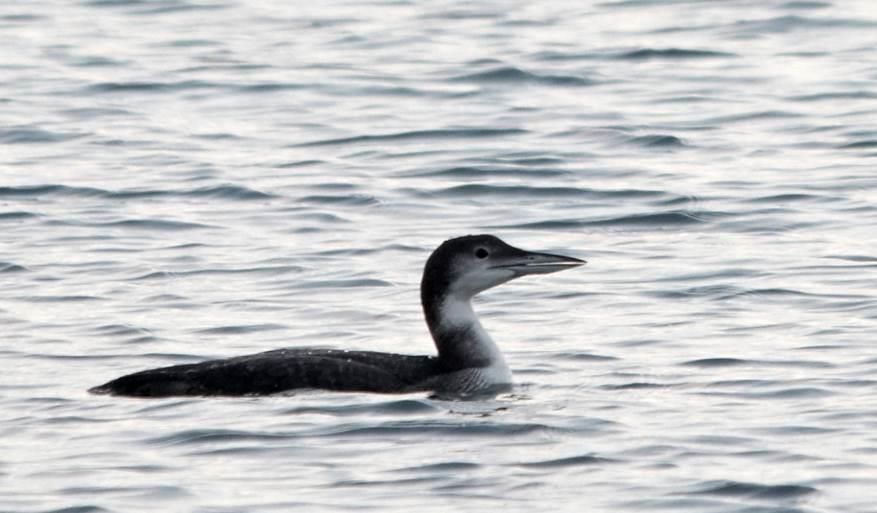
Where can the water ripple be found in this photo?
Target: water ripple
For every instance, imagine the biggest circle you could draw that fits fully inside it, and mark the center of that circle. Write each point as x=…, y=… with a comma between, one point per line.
x=571, y=461
x=474, y=172
x=208, y=436
x=669, y=53
x=269, y=270
x=33, y=135
x=9, y=267
x=437, y=429
x=240, y=330
x=149, y=87
x=16, y=216
x=441, y=468
x=835, y=95
x=529, y=191
x=227, y=192
x=866, y=144
x=149, y=224
x=396, y=407
x=162, y=8
x=460, y=133
x=726, y=362
x=656, y=220
x=640, y=54
x=781, y=24
x=190, y=179
x=657, y=141
x=512, y=76
x=755, y=490
x=78, y=509
x=355, y=282
x=349, y=199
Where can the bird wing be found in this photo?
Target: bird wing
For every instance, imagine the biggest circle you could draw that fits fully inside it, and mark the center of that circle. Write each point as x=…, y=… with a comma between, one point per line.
x=280, y=370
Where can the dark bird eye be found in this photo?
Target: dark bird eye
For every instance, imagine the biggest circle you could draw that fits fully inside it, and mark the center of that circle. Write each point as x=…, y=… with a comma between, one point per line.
x=481, y=253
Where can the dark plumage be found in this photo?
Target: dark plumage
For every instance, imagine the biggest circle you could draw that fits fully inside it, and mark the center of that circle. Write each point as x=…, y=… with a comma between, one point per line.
x=282, y=369
x=468, y=362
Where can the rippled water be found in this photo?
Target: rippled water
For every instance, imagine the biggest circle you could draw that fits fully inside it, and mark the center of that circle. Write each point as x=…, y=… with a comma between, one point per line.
x=184, y=179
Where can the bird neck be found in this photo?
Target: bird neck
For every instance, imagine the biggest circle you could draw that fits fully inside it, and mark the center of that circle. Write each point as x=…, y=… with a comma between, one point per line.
x=461, y=341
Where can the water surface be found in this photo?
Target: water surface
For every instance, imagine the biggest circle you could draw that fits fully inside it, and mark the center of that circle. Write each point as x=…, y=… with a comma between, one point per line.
x=183, y=180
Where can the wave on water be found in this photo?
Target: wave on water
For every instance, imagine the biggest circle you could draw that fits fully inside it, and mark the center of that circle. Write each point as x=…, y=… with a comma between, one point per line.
x=461, y=133
x=655, y=220
x=860, y=145
x=670, y=54
x=775, y=199
x=269, y=270
x=393, y=407
x=635, y=385
x=146, y=8
x=185, y=180
x=755, y=490
x=570, y=461
x=79, y=509
x=639, y=54
x=751, y=116
x=17, y=215
x=511, y=75
x=334, y=284
x=358, y=200
x=9, y=267
x=658, y=141
x=142, y=224
x=472, y=172
x=241, y=329
x=149, y=87
x=834, y=95
x=529, y=191
x=33, y=135
x=226, y=192
x=60, y=299
x=788, y=23
x=448, y=466
x=730, y=362
x=207, y=436
x=379, y=429
x=432, y=428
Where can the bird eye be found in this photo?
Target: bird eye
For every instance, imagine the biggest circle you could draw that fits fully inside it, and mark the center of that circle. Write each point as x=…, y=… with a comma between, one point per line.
x=481, y=253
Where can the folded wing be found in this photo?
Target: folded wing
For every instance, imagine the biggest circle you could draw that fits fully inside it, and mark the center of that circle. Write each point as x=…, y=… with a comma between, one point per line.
x=278, y=371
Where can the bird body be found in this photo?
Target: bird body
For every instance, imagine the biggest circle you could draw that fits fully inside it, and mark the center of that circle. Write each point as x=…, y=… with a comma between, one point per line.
x=468, y=363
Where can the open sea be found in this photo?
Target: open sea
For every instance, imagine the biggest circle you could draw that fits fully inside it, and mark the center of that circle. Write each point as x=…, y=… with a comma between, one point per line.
x=183, y=180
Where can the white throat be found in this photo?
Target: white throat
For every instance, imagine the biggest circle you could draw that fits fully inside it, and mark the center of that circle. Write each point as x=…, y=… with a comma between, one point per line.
x=456, y=315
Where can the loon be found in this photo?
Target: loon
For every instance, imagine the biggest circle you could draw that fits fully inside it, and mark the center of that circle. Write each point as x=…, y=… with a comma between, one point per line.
x=468, y=363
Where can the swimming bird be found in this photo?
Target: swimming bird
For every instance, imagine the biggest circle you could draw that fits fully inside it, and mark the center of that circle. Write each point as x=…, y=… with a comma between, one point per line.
x=468, y=363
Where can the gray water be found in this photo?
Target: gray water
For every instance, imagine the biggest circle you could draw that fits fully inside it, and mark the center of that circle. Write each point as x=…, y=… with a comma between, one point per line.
x=191, y=179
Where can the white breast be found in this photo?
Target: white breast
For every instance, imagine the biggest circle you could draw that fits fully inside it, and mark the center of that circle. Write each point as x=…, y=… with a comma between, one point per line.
x=458, y=313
